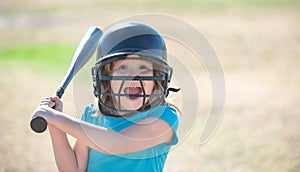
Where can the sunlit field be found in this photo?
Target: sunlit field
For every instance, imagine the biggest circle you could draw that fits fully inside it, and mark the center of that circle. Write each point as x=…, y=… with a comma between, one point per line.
x=258, y=43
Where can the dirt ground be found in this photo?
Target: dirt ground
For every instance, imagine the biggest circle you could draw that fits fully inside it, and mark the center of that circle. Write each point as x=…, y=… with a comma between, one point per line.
x=259, y=52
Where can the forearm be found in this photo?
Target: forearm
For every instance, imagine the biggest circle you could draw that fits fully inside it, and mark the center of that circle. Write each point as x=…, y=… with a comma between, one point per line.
x=64, y=155
x=99, y=138
x=82, y=131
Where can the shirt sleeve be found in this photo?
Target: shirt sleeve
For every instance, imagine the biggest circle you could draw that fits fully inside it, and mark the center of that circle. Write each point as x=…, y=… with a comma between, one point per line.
x=169, y=115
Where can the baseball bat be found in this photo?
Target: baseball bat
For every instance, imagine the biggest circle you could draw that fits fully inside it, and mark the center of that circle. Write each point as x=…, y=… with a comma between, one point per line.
x=83, y=53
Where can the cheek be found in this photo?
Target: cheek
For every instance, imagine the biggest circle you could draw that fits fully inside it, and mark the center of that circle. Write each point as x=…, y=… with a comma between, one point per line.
x=148, y=85
x=115, y=85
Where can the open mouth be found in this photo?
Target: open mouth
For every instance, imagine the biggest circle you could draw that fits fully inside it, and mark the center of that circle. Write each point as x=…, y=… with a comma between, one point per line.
x=133, y=92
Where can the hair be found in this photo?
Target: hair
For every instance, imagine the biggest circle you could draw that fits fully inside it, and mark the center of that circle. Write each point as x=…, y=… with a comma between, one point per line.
x=108, y=100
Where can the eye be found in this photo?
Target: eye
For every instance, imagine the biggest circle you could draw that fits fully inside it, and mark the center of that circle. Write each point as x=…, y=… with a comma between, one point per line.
x=122, y=67
x=143, y=68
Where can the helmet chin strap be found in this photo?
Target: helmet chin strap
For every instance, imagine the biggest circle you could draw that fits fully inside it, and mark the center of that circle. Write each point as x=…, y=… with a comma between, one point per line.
x=173, y=90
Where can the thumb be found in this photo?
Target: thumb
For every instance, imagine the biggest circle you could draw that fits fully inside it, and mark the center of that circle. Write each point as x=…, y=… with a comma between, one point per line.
x=54, y=98
x=57, y=102
x=52, y=104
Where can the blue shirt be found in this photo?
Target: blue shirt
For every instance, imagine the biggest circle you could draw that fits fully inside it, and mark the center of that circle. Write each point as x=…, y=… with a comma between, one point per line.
x=149, y=160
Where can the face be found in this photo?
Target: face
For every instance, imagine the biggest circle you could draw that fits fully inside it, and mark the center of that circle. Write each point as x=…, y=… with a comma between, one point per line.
x=131, y=67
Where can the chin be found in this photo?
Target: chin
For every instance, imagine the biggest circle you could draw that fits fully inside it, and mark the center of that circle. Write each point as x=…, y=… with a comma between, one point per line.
x=132, y=103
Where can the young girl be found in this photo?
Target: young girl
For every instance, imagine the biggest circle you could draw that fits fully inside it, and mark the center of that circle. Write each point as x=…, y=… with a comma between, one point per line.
x=132, y=126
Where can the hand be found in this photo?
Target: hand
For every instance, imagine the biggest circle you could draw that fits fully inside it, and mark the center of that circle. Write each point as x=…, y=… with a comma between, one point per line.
x=53, y=102
x=45, y=112
x=48, y=107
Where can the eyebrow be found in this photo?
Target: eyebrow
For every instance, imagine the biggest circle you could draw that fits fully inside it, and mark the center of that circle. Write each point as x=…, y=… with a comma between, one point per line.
x=144, y=62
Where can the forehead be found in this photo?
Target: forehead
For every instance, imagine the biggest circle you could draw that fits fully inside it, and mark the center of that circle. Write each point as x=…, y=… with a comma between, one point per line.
x=132, y=59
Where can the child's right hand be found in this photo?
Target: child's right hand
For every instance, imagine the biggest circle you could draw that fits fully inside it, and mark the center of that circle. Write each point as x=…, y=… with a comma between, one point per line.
x=53, y=102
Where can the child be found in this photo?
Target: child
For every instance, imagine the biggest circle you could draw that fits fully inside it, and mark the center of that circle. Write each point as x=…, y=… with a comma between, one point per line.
x=132, y=126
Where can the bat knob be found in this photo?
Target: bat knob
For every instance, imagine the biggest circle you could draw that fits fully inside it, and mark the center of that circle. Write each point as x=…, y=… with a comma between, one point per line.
x=38, y=124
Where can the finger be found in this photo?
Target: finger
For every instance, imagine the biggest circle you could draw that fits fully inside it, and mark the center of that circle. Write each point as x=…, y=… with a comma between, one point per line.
x=44, y=100
x=58, y=103
x=41, y=111
x=47, y=103
x=55, y=98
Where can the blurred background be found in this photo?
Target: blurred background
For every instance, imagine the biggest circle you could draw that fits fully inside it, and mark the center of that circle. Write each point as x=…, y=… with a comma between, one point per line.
x=258, y=43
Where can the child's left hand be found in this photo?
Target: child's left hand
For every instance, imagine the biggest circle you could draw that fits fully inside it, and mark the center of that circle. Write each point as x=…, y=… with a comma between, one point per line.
x=45, y=112
x=45, y=109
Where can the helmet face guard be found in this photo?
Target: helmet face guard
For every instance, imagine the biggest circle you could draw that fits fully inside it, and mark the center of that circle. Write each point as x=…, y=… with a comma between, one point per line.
x=110, y=102
x=119, y=41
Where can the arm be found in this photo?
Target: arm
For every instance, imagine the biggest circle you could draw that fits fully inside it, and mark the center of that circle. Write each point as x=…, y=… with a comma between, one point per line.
x=140, y=136
x=67, y=158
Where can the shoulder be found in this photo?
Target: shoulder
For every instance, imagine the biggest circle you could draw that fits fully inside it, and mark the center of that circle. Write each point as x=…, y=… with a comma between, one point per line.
x=162, y=120
x=165, y=113
x=161, y=111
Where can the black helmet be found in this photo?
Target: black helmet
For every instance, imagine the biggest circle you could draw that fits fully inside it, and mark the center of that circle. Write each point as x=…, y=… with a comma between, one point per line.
x=117, y=43
x=128, y=38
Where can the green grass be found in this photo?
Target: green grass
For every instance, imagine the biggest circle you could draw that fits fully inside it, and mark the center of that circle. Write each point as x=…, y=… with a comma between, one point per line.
x=46, y=54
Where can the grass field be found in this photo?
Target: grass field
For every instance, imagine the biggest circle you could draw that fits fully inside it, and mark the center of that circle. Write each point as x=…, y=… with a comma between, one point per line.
x=258, y=43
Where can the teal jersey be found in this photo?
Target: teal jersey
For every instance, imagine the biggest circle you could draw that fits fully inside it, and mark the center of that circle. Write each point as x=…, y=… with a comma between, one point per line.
x=149, y=160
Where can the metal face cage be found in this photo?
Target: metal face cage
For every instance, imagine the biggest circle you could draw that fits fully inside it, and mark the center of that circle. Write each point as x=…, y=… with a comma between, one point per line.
x=110, y=103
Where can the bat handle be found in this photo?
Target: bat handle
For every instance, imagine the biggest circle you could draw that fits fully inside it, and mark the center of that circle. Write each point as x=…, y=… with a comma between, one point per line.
x=39, y=124
x=60, y=91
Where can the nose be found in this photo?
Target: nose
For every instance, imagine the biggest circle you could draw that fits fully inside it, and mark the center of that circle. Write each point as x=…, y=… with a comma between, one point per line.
x=132, y=83
x=135, y=73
